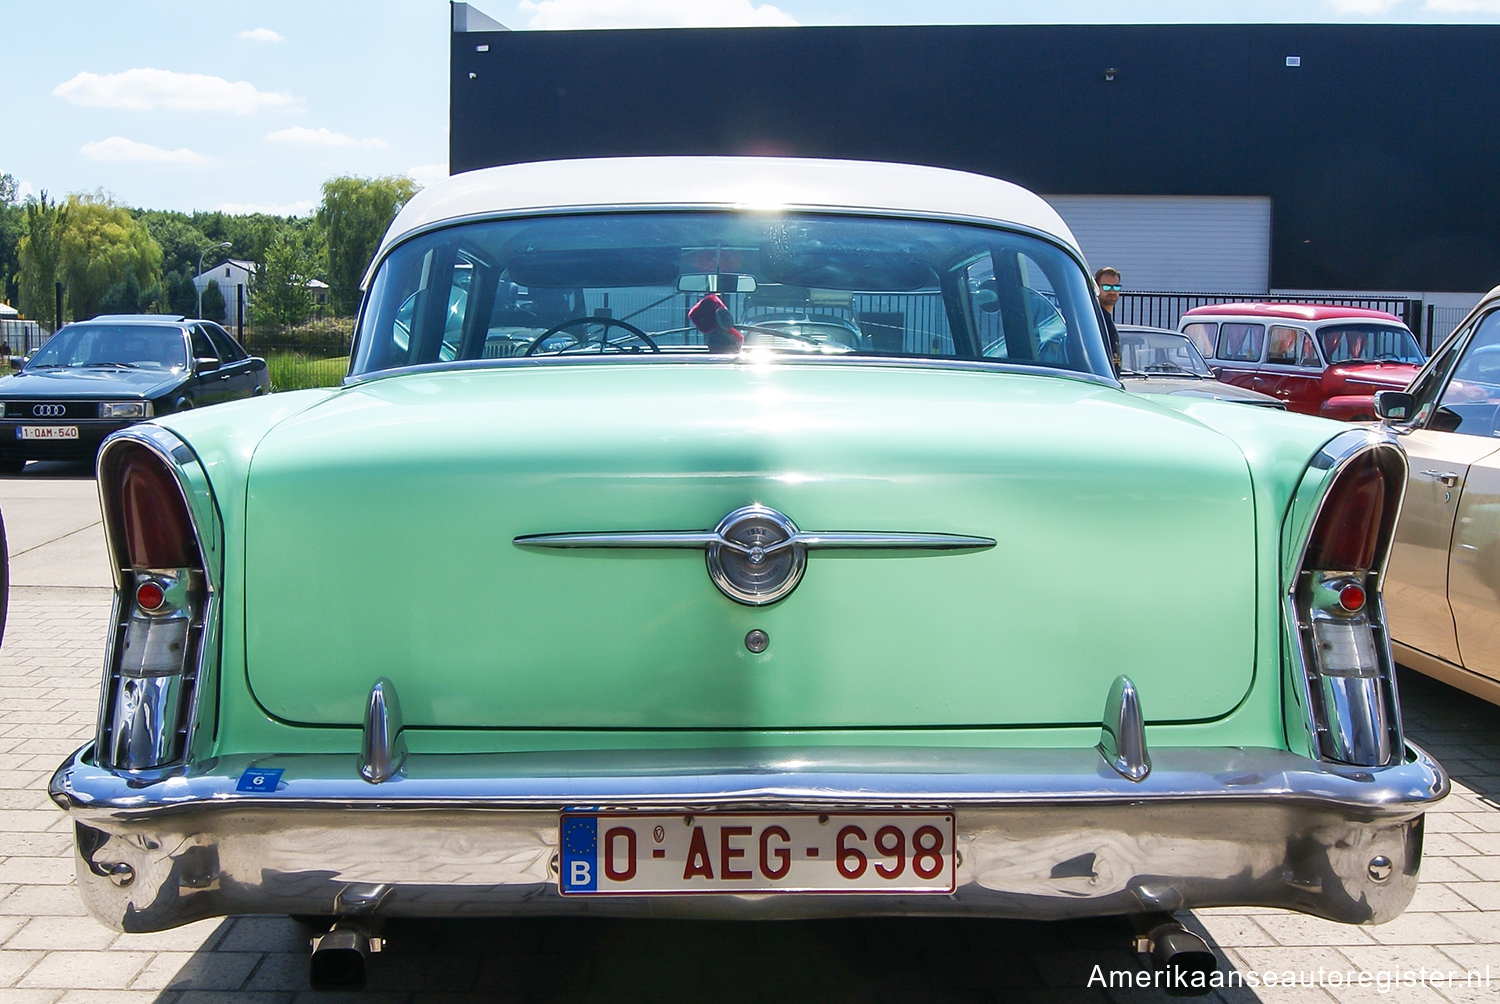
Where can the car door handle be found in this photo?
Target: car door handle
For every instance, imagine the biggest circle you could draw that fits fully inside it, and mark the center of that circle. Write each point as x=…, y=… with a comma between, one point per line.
x=1448, y=478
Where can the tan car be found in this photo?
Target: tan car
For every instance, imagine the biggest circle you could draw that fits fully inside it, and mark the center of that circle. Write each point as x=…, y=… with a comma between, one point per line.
x=1442, y=588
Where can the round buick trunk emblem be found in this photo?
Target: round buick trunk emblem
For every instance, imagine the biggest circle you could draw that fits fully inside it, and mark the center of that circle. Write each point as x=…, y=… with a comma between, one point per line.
x=756, y=559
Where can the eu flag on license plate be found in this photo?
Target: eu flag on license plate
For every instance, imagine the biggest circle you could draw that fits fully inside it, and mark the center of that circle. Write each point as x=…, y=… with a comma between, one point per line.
x=580, y=854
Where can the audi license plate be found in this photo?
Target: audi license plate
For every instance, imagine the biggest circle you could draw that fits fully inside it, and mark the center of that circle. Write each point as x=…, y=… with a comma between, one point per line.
x=47, y=432
x=625, y=853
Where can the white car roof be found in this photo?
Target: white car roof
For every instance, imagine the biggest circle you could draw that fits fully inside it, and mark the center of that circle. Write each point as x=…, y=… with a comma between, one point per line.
x=747, y=182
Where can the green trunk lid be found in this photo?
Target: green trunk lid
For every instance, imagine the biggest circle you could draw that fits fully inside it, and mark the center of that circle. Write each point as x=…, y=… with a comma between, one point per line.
x=380, y=528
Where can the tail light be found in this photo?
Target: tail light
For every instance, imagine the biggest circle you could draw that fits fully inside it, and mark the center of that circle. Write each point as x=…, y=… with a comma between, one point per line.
x=1350, y=687
x=159, y=610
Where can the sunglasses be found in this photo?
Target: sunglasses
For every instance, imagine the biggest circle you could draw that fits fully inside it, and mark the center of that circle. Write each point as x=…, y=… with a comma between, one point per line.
x=1110, y=287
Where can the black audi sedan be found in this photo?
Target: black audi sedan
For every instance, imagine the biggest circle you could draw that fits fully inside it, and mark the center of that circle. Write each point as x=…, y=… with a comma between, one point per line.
x=94, y=377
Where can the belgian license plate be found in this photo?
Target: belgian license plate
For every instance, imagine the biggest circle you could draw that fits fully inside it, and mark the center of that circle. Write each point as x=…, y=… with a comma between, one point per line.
x=635, y=854
x=47, y=432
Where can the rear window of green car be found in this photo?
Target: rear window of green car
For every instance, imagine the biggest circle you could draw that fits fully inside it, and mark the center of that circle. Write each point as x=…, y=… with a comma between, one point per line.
x=627, y=285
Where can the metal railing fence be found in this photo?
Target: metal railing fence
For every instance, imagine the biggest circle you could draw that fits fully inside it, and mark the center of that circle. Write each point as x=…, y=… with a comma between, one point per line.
x=21, y=338
x=1441, y=321
x=314, y=353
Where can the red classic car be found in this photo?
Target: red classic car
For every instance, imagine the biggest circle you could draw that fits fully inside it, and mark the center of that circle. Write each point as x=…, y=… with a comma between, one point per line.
x=1320, y=360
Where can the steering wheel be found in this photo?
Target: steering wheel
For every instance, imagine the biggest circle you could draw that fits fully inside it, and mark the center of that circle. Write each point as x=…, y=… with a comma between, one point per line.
x=604, y=322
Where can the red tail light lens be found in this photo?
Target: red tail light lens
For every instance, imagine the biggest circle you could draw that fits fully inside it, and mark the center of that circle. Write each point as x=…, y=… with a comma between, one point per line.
x=149, y=596
x=1352, y=597
x=153, y=517
x=1353, y=516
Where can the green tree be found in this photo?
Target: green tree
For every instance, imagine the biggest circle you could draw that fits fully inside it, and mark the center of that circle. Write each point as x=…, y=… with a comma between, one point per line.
x=354, y=216
x=181, y=242
x=101, y=244
x=40, y=253
x=127, y=297
x=213, y=302
x=176, y=293
x=281, y=296
x=12, y=225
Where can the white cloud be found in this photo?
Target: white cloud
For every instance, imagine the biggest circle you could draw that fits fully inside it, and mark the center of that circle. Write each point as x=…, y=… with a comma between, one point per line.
x=143, y=89
x=321, y=136
x=1363, y=6
x=24, y=191
x=554, y=14
x=261, y=35
x=272, y=208
x=118, y=148
x=427, y=175
x=1464, y=6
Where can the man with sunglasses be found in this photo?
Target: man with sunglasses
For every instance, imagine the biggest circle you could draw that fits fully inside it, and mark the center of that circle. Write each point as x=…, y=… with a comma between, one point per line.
x=1108, y=282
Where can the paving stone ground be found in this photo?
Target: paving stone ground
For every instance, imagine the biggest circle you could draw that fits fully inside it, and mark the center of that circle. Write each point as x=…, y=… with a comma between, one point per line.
x=50, y=951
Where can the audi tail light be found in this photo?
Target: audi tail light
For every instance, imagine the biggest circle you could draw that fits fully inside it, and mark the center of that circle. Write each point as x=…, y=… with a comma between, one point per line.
x=1350, y=685
x=159, y=610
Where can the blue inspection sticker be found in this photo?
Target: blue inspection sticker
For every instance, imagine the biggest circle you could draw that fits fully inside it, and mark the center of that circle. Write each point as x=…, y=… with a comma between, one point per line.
x=580, y=854
x=259, y=779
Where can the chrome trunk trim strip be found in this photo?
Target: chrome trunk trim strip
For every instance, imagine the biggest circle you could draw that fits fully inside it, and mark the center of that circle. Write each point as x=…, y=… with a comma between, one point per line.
x=756, y=555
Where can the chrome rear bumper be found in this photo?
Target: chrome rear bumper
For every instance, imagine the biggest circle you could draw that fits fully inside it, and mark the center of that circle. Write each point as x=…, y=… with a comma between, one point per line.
x=1042, y=834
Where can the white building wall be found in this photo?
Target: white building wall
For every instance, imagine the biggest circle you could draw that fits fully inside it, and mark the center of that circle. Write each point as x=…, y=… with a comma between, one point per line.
x=1187, y=243
x=230, y=276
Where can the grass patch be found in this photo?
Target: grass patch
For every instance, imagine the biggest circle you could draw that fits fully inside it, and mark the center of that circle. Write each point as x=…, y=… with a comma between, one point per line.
x=295, y=371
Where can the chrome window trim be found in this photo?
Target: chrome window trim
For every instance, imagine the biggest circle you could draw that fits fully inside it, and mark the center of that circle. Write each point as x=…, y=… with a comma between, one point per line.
x=708, y=359
x=605, y=208
x=688, y=207
x=1334, y=457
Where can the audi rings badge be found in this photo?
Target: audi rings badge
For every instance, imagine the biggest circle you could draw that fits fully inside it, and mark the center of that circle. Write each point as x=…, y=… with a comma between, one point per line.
x=49, y=410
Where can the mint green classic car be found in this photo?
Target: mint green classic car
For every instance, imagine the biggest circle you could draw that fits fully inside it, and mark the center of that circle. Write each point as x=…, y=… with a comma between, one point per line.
x=749, y=538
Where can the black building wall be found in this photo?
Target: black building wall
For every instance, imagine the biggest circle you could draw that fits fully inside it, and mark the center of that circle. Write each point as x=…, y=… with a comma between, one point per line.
x=1378, y=151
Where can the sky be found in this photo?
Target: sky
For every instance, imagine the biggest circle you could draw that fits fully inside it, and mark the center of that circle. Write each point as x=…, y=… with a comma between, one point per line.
x=249, y=107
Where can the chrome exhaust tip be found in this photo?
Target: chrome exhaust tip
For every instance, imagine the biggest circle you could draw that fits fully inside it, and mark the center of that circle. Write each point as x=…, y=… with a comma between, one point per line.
x=340, y=958
x=1185, y=959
